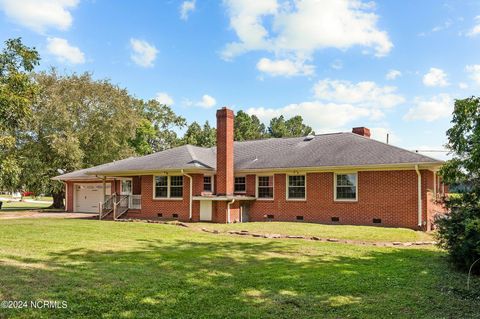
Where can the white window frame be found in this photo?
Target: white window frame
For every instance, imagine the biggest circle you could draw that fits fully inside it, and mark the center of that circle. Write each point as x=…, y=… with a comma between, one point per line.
x=287, y=185
x=335, y=187
x=256, y=187
x=168, y=188
x=240, y=192
x=212, y=183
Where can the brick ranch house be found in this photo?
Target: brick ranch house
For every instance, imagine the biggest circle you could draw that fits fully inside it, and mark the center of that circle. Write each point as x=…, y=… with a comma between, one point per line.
x=339, y=178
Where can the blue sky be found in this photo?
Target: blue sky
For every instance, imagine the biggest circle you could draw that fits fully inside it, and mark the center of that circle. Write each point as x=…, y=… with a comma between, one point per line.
x=393, y=66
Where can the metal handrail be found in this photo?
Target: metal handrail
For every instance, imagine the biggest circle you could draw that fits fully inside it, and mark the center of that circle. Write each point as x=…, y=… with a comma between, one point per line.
x=106, y=207
x=121, y=206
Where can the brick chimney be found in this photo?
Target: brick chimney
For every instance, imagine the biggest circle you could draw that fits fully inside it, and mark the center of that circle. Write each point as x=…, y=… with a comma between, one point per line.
x=225, y=175
x=363, y=131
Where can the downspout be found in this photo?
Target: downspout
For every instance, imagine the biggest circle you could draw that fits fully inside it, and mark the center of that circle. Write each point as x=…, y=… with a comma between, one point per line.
x=191, y=193
x=419, y=181
x=228, y=210
x=66, y=196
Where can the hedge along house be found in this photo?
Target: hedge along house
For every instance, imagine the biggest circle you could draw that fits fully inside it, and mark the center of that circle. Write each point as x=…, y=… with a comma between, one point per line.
x=339, y=178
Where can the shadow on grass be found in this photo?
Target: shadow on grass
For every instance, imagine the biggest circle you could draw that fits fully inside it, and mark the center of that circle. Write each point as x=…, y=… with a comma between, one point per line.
x=237, y=279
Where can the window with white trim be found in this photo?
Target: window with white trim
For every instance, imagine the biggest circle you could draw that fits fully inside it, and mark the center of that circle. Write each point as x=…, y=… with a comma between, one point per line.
x=265, y=187
x=346, y=186
x=207, y=184
x=296, y=187
x=240, y=184
x=176, y=186
x=168, y=186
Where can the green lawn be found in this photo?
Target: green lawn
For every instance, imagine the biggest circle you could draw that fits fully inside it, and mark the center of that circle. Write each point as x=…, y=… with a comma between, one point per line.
x=139, y=270
x=11, y=206
x=364, y=233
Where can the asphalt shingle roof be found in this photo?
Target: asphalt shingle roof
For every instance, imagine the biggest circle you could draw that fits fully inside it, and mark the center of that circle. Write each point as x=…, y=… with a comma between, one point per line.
x=325, y=150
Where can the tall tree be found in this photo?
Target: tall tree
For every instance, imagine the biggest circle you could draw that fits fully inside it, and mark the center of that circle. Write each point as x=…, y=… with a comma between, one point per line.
x=163, y=126
x=293, y=127
x=248, y=127
x=80, y=122
x=17, y=92
x=198, y=136
x=460, y=232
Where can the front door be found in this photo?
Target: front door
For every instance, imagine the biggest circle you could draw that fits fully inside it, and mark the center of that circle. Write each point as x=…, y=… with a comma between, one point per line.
x=126, y=189
x=206, y=210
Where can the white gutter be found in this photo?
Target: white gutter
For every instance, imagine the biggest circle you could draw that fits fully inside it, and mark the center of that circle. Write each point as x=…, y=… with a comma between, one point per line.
x=419, y=180
x=228, y=210
x=190, y=215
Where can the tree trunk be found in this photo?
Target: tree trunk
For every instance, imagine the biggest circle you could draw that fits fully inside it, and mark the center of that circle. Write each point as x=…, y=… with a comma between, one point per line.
x=58, y=200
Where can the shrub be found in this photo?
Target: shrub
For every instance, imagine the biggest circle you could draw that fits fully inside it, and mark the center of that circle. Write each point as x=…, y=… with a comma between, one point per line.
x=459, y=231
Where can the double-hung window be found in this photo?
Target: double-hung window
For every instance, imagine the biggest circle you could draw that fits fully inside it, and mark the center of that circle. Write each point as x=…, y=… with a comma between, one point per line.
x=240, y=184
x=296, y=187
x=265, y=187
x=346, y=187
x=176, y=186
x=207, y=184
x=168, y=186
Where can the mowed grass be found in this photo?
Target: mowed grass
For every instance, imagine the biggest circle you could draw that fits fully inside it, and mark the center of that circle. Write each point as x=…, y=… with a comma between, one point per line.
x=11, y=206
x=362, y=233
x=139, y=270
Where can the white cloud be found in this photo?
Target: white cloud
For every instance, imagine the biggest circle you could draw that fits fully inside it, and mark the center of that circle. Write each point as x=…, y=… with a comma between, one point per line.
x=476, y=29
x=463, y=85
x=164, y=98
x=39, y=15
x=207, y=101
x=186, y=8
x=322, y=117
x=439, y=106
x=337, y=65
x=65, y=52
x=474, y=71
x=144, y=53
x=284, y=67
x=435, y=77
x=393, y=74
x=301, y=27
x=366, y=93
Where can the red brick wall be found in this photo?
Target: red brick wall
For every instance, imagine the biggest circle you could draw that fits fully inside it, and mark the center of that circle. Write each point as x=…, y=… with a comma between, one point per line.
x=197, y=184
x=225, y=179
x=167, y=207
x=388, y=195
x=137, y=185
x=251, y=181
